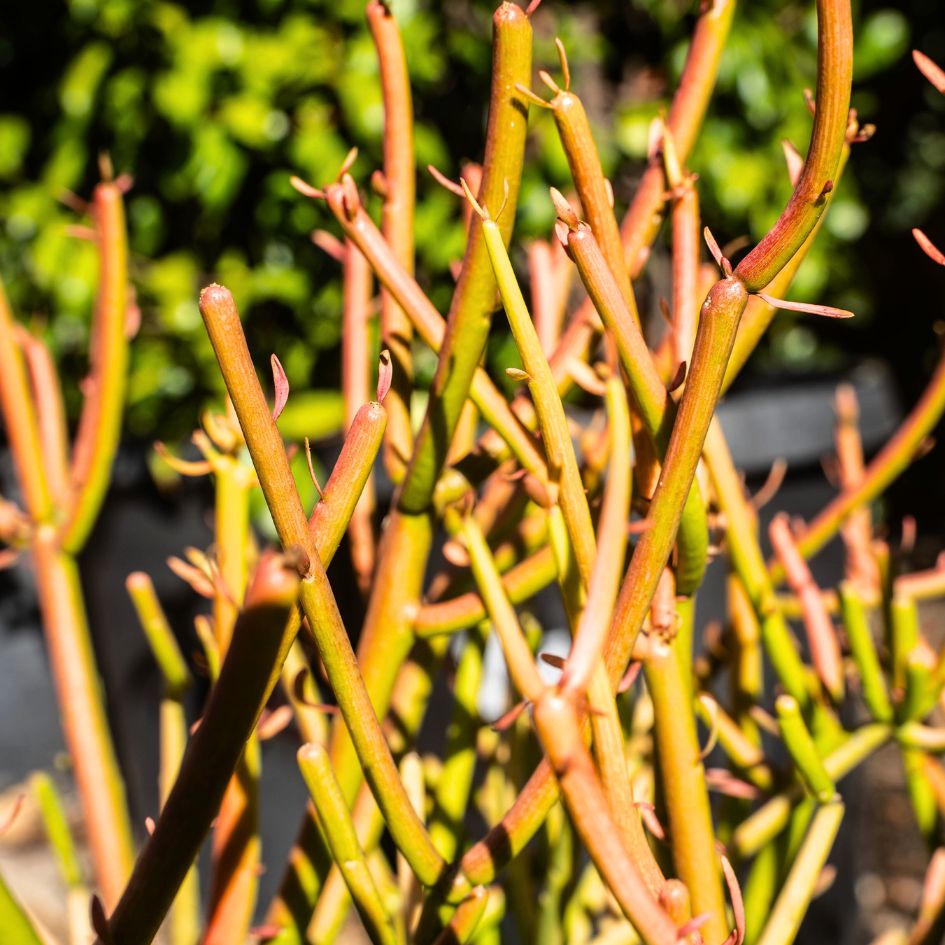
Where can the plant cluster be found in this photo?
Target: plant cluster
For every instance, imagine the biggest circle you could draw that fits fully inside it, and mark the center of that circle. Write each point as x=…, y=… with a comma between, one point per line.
x=604, y=822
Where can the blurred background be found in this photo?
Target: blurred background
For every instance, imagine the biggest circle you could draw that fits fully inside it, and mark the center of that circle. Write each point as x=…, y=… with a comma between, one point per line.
x=212, y=105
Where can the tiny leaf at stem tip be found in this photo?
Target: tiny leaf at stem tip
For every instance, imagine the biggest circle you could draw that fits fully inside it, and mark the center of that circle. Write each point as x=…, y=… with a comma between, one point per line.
x=481, y=211
x=738, y=905
x=563, y=58
x=311, y=469
x=306, y=189
x=329, y=243
x=928, y=247
x=445, y=182
x=827, y=311
x=931, y=70
x=347, y=163
x=281, y=385
x=794, y=161
x=546, y=78
x=716, y=252
x=566, y=213
x=385, y=375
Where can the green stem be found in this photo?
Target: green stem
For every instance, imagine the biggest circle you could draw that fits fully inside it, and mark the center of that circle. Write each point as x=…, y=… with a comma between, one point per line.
x=684, y=791
x=801, y=883
x=58, y=834
x=800, y=746
x=772, y=817
x=456, y=778
x=17, y=927
x=99, y=428
x=749, y=564
x=817, y=180
x=275, y=477
x=343, y=842
x=872, y=682
x=474, y=299
x=556, y=437
x=360, y=230
x=656, y=409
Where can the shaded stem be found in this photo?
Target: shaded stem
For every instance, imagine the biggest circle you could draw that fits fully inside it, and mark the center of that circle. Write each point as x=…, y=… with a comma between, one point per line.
x=261, y=638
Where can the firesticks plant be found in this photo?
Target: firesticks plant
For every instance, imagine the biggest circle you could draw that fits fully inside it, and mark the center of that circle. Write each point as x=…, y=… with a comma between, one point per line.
x=602, y=827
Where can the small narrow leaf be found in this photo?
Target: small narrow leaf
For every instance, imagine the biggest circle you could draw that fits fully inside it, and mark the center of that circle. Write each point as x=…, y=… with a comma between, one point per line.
x=281, y=384
x=933, y=72
x=826, y=310
x=445, y=182
x=794, y=161
x=738, y=905
x=928, y=247
x=306, y=189
x=385, y=375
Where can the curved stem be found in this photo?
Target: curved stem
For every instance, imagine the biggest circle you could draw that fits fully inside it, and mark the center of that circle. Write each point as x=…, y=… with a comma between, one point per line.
x=558, y=729
x=20, y=420
x=99, y=429
x=817, y=180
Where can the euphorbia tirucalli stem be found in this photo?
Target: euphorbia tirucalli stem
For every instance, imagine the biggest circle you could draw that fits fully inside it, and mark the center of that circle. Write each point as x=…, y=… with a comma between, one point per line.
x=682, y=779
x=811, y=193
x=562, y=462
x=344, y=202
x=801, y=883
x=592, y=187
x=292, y=907
x=72, y=660
x=236, y=845
x=686, y=113
x=557, y=725
x=718, y=322
x=650, y=397
x=397, y=216
x=474, y=300
x=387, y=632
x=278, y=485
x=261, y=638
x=356, y=296
x=20, y=421
x=100, y=423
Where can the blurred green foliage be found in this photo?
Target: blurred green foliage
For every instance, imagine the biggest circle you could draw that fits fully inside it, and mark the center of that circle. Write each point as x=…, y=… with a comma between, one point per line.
x=212, y=105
